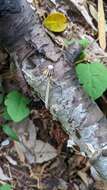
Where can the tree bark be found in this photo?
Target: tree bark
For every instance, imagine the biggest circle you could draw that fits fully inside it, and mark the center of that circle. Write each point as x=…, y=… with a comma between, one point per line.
x=68, y=103
x=9, y=7
x=14, y=26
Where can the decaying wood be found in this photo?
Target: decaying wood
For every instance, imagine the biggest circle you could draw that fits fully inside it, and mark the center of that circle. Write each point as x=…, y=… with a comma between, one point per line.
x=68, y=103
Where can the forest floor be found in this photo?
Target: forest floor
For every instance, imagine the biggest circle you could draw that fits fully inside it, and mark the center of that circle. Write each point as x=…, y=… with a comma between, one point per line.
x=56, y=166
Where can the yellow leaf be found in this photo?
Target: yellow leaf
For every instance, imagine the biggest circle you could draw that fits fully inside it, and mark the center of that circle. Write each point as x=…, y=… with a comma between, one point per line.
x=56, y=22
x=101, y=25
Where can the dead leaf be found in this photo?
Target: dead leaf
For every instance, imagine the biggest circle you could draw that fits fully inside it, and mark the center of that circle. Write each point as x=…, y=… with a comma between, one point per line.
x=44, y=152
x=56, y=22
x=6, y=142
x=95, y=174
x=19, y=151
x=27, y=134
x=80, y=5
x=84, y=177
x=54, y=2
x=3, y=176
x=30, y=148
x=26, y=131
x=30, y=1
x=93, y=12
x=101, y=25
x=101, y=185
x=10, y=160
x=58, y=134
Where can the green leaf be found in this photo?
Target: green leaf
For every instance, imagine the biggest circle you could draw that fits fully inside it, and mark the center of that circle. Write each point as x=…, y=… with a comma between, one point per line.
x=16, y=105
x=5, y=187
x=5, y=115
x=93, y=77
x=9, y=131
x=84, y=42
x=68, y=42
x=81, y=57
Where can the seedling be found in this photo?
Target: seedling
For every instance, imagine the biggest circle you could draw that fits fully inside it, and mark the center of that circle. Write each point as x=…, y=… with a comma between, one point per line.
x=93, y=77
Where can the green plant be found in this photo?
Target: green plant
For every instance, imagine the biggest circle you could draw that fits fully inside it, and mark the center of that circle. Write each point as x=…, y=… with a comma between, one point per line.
x=93, y=77
x=84, y=42
x=6, y=187
x=68, y=42
x=15, y=109
x=5, y=115
x=9, y=131
x=16, y=105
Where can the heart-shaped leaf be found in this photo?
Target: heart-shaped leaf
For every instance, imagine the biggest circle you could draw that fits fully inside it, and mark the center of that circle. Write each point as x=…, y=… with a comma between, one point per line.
x=16, y=105
x=93, y=77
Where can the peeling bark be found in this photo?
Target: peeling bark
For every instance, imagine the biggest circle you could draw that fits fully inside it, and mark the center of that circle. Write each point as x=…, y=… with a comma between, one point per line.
x=68, y=103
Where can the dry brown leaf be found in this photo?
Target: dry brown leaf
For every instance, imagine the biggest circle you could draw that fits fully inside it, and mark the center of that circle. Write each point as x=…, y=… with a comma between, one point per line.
x=101, y=185
x=101, y=25
x=93, y=12
x=44, y=152
x=19, y=151
x=25, y=128
x=81, y=6
x=11, y=161
x=4, y=177
x=84, y=177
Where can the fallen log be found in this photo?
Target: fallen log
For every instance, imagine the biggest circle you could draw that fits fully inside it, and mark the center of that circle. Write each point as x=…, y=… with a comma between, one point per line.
x=68, y=103
x=15, y=22
x=9, y=7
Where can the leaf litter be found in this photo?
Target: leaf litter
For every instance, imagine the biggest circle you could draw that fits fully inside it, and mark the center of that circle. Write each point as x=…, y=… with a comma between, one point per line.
x=42, y=160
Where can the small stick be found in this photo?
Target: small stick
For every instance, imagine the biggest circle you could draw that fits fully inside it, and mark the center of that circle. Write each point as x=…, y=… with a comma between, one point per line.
x=48, y=74
x=47, y=93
